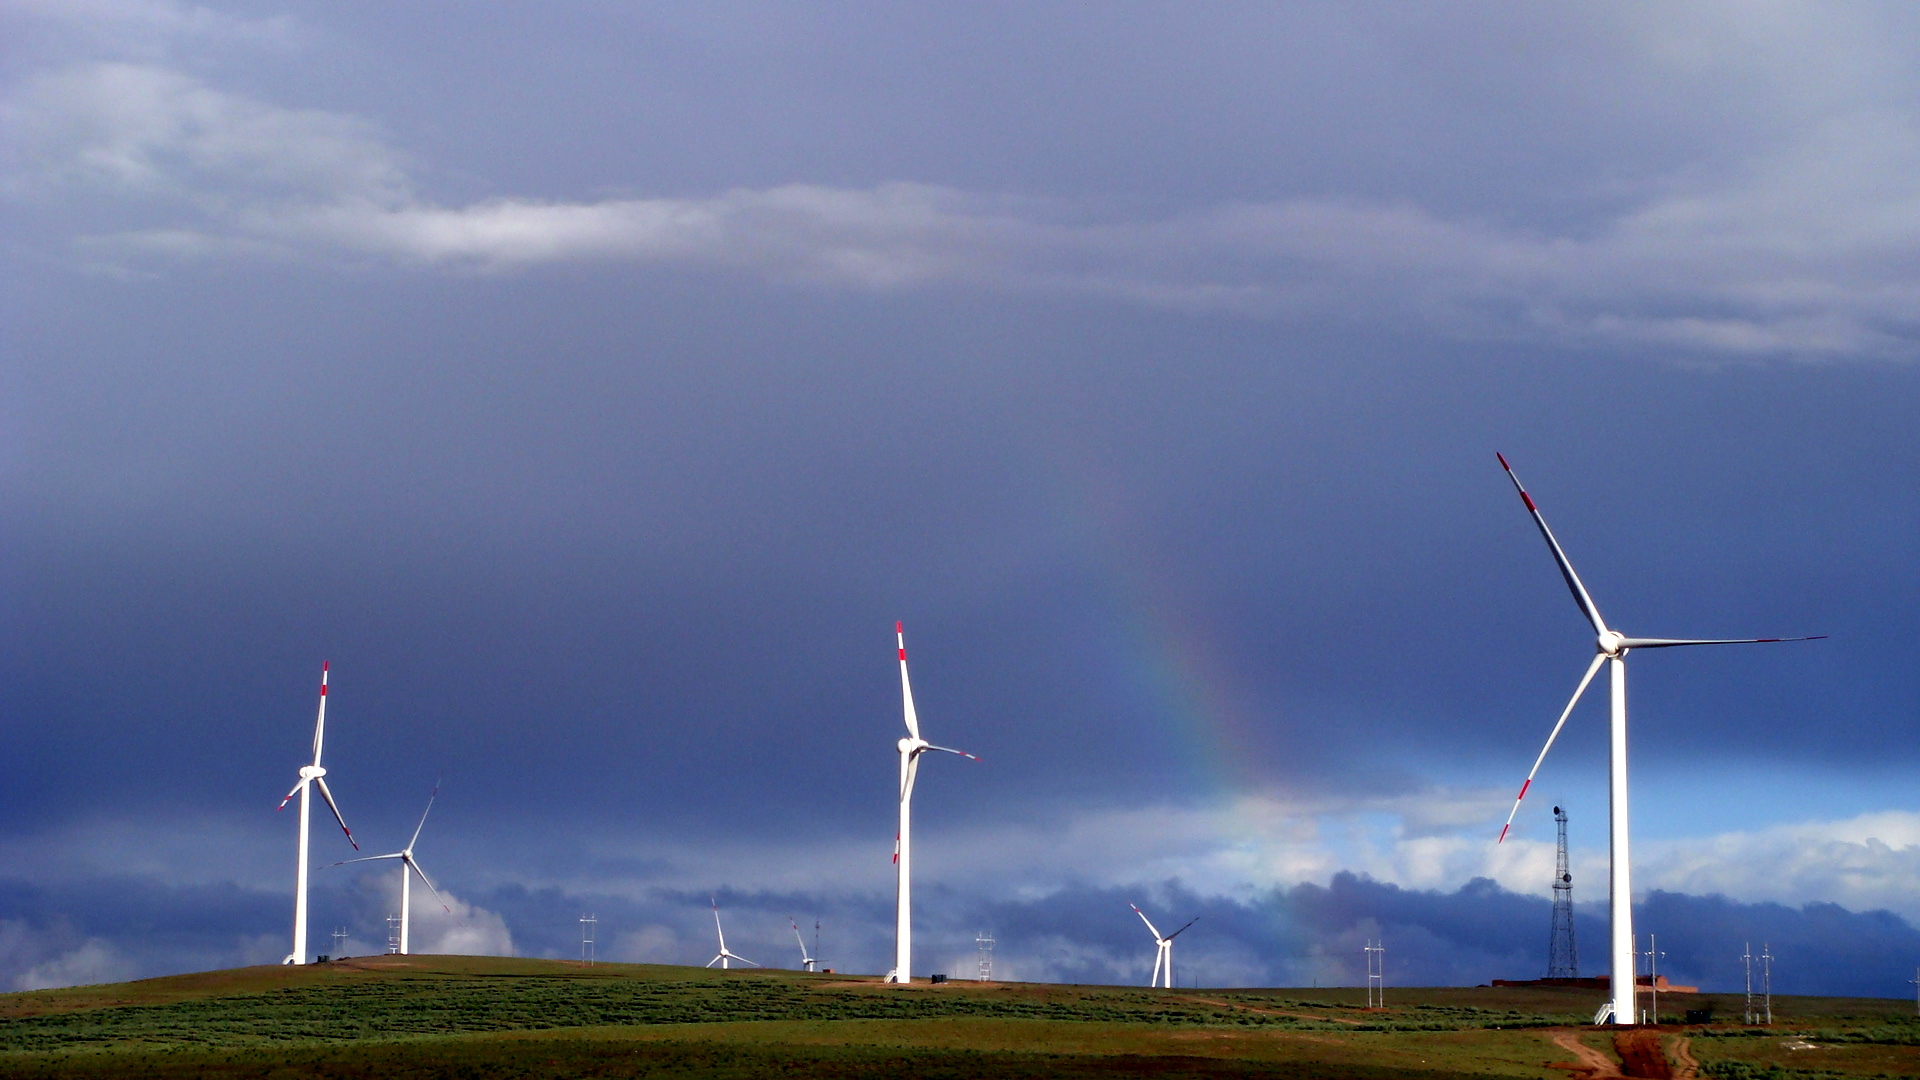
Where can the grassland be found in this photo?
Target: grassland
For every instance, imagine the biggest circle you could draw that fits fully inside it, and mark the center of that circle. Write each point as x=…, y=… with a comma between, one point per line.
x=470, y=1017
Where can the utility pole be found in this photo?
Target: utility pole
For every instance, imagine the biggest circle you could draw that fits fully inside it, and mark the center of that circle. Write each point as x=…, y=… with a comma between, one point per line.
x=1563, y=960
x=1376, y=974
x=1766, y=977
x=587, y=925
x=1916, y=991
x=339, y=942
x=1653, y=977
x=1746, y=958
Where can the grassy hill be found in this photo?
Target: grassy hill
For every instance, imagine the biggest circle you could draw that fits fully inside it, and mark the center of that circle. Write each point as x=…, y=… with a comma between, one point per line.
x=481, y=1017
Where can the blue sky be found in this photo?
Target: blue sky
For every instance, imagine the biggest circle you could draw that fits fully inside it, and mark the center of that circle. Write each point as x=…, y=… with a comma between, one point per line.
x=595, y=388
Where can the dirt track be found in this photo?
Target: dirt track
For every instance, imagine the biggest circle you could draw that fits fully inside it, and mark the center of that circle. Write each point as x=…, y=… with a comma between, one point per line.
x=1587, y=1063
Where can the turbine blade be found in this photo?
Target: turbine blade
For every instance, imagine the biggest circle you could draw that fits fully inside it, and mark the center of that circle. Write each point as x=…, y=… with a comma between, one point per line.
x=291, y=794
x=951, y=750
x=408, y=859
x=906, y=688
x=1668, y=643
x=1580, y=596
x=913, y=771
x=321, y=782
x=742, y=959
x=715, y=960
x=320, y=722
x=423, y=816
x=1592, y=669
x=1144, y=919
x=717, y=932
x=369, y=858
x=1183, y=929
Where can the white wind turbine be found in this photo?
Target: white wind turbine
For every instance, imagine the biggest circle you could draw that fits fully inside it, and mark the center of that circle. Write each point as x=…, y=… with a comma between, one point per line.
x=806, y=961
x=724, y=955
x=1163, y=949
x=1610, y=645
x=911, y=748
x=310, y=777
x=407, y=863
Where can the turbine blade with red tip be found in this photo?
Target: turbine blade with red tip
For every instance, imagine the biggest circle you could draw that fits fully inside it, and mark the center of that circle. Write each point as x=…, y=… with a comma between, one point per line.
x=951, y=750
x=423, y=817
x=906, y=688
x=1144, y=919
x=1579, y=591
x=290, y=795
x=1183, y=929
x=321, y=783
x=1592, y=669
x=320, y=722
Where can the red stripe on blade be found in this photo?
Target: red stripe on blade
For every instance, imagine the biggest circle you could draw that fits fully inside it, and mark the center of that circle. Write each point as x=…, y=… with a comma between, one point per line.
x=1503, y=833
x=1529, y=501
x=1524, y=785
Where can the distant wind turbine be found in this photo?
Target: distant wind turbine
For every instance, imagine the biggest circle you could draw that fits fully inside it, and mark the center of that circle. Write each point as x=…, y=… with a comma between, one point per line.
x=806, y=961
x=1611, y=645
x=310, y=777
x=407, y=863
x=1163, y=949
x=911, y=748
x=724, y=955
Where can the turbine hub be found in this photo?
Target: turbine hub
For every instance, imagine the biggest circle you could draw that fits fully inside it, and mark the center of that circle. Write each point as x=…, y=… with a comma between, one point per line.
x=907, y=746
x=309, y=772
x=1611, y=643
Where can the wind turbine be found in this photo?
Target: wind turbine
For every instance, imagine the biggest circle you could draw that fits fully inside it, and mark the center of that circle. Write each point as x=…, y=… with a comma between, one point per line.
x=724, y=955
x=1610, y=645
x=911, y=748
x=310, y=777
x=1163, y=951
x=405, y=855
x=806, y=961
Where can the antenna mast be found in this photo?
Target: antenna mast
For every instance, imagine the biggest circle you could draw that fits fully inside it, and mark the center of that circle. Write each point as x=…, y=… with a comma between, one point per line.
x=984, y=942
x=393, y=934
x=1563, y=960
x=1376, y=974
x=1766, y=980
x=1746, y=959
x=587, y=925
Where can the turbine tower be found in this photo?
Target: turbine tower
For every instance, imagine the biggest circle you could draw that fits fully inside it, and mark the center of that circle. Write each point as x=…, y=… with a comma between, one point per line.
x=724, y=956
x=806, y=960
x=1163, y=949
x=407, y=863
x=1611, y=645
x=311, y=776
x=1563, y=960
x=910, y=748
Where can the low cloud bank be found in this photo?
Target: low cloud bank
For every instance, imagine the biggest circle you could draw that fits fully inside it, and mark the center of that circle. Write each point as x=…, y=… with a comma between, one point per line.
x=1302, y=935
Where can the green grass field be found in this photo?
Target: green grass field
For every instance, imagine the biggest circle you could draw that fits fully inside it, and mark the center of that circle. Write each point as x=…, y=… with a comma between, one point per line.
x=482, y=1017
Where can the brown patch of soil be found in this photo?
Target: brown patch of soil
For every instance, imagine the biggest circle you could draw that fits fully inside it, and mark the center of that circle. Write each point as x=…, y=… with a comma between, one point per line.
x=1685, y=1065
x=1641, y=1055
x=1587, y=1063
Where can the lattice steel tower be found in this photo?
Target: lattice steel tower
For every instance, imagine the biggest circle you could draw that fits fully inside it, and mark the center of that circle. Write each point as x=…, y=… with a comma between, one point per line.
x=1563, y=960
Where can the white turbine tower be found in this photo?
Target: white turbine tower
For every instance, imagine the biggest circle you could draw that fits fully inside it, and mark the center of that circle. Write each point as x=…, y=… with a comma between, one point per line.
x=806, y=961
x=1610, y=645
x=1163, y=949
x=407, y=863
x=724, y=955
x=911, y=748
x=310, y=777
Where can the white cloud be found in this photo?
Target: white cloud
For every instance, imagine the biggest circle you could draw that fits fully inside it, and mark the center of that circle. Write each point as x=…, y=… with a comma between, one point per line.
x=1805, y=251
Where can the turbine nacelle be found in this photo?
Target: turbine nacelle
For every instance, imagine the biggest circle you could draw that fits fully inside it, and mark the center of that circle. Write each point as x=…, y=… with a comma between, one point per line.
x=311, y=772
x=913, y=746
